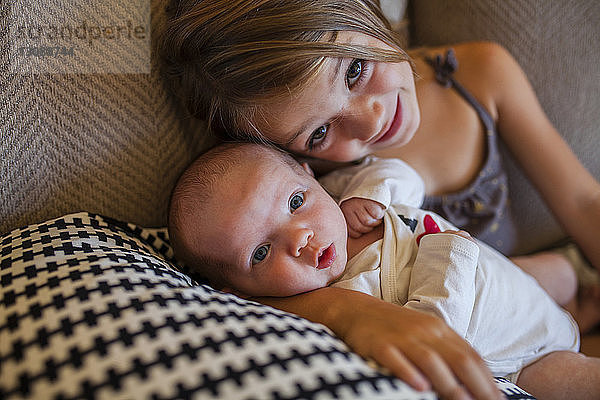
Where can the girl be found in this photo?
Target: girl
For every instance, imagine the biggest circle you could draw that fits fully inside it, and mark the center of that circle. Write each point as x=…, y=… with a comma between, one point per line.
x=328, y=80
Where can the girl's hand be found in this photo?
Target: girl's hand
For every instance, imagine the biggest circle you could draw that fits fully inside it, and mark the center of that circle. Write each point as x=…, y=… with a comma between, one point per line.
x=418, y=348
x=362, y=215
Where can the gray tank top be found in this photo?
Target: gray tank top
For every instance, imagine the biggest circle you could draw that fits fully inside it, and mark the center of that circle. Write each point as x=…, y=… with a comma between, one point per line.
x=482, y=208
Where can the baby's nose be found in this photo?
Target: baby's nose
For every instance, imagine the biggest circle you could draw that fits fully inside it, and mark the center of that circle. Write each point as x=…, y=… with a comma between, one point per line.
x=300, y=238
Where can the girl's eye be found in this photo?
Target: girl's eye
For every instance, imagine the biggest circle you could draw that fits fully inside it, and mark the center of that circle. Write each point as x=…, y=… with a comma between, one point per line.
x=260, y=253
x=318, y=136
x=296, y=201
x=353, y=73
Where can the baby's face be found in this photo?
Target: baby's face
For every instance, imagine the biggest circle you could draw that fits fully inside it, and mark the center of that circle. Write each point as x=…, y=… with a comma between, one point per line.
x=280, y=228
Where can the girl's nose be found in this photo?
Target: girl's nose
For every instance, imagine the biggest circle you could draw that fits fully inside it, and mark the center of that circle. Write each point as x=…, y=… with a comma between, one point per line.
x=365, y=118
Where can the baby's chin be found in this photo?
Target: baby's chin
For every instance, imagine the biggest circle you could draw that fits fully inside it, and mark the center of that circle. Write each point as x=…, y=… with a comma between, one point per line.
x=339, y=265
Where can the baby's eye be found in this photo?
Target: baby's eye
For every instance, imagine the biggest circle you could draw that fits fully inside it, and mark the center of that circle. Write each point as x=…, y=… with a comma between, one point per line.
x=260, y=253
x=318, y=136
x=353, y=72
x=296, y=201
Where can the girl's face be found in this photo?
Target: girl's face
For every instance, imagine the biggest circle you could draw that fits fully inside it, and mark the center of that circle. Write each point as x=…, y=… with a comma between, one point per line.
x=351, y=109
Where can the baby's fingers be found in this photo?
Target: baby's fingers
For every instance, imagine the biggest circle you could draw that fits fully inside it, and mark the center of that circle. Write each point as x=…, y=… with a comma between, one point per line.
x=354, y=233
x=375, y=210
x=360, y=223
x=363, y=219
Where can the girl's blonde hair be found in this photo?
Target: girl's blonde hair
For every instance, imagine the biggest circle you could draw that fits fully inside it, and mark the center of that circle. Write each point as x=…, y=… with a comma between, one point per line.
x=227, y=58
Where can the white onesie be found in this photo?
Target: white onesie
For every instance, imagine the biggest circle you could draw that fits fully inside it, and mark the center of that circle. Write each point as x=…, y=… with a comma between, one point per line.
x=499, y=309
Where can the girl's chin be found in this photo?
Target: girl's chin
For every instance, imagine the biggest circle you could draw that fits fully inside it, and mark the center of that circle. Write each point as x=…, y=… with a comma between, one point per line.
x=400, y=139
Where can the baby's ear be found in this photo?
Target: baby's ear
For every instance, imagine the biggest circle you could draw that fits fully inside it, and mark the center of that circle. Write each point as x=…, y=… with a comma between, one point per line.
x=308, y=169
x=236, y=292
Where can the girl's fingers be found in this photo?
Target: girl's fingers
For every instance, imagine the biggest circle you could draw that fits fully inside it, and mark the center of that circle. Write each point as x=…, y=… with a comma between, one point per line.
x=419, y=349
x=400, y=366
x=439, y=373
x=469, y=369
x=449, y=370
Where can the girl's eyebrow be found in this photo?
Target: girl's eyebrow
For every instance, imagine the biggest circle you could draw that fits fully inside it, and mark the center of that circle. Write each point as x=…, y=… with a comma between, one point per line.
x=336, y=70
x=295, y=135
x=334, y=77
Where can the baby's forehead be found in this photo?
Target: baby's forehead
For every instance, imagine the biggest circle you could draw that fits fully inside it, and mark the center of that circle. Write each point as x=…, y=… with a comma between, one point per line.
x=247, y=163
x=268, y=157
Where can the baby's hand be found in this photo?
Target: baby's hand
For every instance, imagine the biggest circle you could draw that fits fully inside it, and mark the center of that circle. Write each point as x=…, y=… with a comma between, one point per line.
x=362, y=215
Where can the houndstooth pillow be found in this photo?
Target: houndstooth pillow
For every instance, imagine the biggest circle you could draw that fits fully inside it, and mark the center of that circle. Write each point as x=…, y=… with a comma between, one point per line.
x=91, y=307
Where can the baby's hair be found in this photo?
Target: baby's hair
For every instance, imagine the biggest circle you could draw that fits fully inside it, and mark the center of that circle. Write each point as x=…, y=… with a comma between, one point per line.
x=192, y=193
x=226, y=58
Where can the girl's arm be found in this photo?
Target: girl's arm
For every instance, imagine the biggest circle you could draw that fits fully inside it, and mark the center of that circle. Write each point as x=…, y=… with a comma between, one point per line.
x=418, y=348
x=570, y=191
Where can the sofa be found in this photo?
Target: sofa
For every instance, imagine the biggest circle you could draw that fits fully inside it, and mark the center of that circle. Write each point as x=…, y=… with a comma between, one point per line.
x=93, y=303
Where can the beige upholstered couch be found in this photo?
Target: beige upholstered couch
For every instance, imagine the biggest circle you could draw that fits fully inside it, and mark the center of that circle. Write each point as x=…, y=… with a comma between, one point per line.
x=106, y=137
x=115, y=143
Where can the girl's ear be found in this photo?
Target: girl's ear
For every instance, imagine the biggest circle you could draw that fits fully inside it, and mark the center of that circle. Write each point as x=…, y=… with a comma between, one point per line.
x=307, y=168
x=236, y=292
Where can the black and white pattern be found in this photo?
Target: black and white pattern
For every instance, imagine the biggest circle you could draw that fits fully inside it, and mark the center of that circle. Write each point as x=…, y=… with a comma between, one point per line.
x=91, y=308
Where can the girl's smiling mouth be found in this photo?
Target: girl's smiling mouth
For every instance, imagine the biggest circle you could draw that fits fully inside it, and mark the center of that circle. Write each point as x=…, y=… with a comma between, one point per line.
x=394, y=125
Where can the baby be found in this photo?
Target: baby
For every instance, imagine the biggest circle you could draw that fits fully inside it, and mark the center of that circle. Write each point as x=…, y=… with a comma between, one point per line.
x=256, y=223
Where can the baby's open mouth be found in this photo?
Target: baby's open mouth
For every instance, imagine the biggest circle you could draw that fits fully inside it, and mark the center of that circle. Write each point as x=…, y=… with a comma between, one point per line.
x=327, y=257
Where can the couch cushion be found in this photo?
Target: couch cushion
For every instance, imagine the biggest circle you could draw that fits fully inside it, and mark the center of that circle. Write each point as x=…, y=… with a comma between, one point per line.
x=93, y=307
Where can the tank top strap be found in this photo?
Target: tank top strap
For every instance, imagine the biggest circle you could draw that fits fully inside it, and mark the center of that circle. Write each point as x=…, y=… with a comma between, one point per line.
x=444, y=67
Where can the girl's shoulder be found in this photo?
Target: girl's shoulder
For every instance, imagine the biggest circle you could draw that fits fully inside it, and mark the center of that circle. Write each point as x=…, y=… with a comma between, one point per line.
x=483, y=56
x=483, y=68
